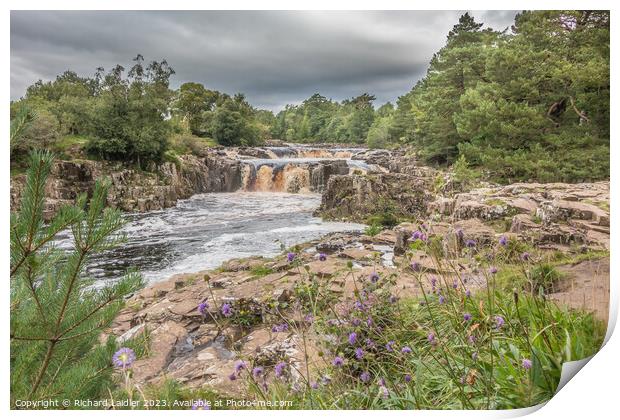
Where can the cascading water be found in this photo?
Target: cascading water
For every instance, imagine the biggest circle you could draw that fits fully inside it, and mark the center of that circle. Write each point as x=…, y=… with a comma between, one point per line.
x=272, y=210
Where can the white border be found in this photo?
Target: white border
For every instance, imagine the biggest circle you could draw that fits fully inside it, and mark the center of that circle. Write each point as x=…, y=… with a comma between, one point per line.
x=592, y=394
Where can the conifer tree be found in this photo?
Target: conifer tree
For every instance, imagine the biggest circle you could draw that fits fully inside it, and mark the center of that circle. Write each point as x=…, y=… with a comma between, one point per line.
x=57, y=313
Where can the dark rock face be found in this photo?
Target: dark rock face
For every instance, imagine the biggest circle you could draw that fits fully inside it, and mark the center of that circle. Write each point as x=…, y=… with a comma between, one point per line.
x=132, y=190
x=355, y=197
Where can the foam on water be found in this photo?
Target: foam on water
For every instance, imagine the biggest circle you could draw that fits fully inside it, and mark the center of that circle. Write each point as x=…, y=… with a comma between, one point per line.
x=207, y=229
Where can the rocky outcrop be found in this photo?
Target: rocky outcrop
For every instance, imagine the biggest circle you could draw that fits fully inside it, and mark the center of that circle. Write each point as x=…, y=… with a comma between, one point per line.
x=134, y=190
x=355, y=197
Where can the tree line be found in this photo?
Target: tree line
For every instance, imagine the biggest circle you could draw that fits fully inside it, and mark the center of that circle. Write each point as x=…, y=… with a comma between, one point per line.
x=531, y=102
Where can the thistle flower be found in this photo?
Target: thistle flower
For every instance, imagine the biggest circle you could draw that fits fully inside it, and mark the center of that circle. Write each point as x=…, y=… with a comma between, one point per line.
x=365, y=377
x=441, y=299
x=280, y=327
x=433, y=281
x=309, y=318
x=493, y=270
x=455, y=285
x=374, y=277
x=416, y=235
x=290, y=256
x=338, y=361
x=471, y=339
x=468, y=293
x=407, y=378
x=459, y=233
x=503, y=240
x=369, y=322
x=415, y=266
x=389, y=345
x=232, y=376
x=279, y=369
x=370, y=343
x=352, y=338
x=201, y=405
x=240, y=365
x=257, y=372
x=431, y=338
x=202, y=308
x=227, y=310
x=322, y=257
x=359, y=353
x=525, y=256
x=385, y=393
x=526, y=364
x=499, y=322
x=466, y=316
x=314, y=385
x=406, y=350
x=124, y=358
x=470, y=243
x=356, y=322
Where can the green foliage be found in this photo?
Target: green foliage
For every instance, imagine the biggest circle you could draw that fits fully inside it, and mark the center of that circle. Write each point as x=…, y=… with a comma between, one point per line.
x=57, y=315
x=373, y=229
x=464, y=176
x=531, y=105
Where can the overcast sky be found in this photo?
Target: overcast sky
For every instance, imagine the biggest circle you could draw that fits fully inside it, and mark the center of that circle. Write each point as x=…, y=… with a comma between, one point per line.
x=274, y=57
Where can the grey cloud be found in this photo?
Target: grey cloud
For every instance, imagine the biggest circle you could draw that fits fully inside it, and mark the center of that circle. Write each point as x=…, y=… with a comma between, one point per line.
x=274, y=57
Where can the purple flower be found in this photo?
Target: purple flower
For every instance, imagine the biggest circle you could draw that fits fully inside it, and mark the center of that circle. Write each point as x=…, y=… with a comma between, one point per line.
x=227, y=310
x=525, y=256
x=309, y=318
x=314, y=385
x=365, y=376
x=433, y=281
x=385, y=393
x=471, y=339
x=232, y=376
x=257, y=372
x=493, y=270
x=369, y=322
x=202, y=308
x=526, y=363
x=124, y=358
x=280, y=367
x=201, y=405
x=407, y=378
x=470, y=243
x=441, y=299
x=499, y=322
x=466, y=316
x=503, y=241
x=370, y=343
x=374, y=277
x=389, y=345
x=416, y=235
x=322, y=257
x=240, y=365
x=455, y=284
x=290, y=256
x=359, y=353
x=338, y=361
x=468, y=293
x=415, y=266
x=280, y=327
x=356, y=322
x=352, y=338
x=381, y=382
x=406, y=350
x=431, y=338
